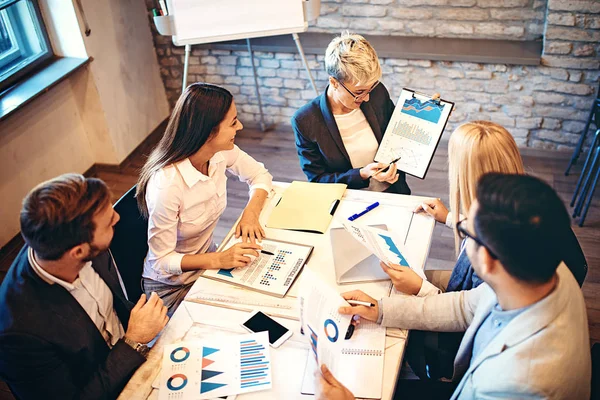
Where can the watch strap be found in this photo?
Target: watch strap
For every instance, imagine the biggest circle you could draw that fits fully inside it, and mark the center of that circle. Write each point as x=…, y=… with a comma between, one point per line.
x=139, y=347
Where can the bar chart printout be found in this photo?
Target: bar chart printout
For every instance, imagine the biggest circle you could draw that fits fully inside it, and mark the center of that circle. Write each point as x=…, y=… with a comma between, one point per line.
x=414, y=132
x=254, y=364
x=215, y=368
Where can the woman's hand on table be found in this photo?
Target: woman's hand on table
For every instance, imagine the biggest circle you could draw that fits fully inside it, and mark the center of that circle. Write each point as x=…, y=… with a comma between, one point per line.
x=435, y=208
x=249, y=228
x=404, y=279
x=238, y=255
x=369, y=313
x=329, y=388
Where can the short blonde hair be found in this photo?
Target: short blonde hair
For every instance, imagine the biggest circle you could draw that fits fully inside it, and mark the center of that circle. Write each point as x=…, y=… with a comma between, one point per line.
x=351, y=58
x=475, y=149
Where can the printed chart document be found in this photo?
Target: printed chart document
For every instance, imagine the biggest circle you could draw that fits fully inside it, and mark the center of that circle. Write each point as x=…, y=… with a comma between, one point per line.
x=354, y=263
x=272, y=273
x=387, y=246
x=358, y=362
x=307, y=206
x=214, y=368
x=414, y=132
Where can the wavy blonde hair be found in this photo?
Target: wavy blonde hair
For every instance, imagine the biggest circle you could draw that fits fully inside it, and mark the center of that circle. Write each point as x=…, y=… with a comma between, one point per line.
x=351, y=58
x=475, y=149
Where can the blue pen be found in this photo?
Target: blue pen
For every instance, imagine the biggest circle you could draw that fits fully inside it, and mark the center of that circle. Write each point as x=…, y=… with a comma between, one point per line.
x=366, y=210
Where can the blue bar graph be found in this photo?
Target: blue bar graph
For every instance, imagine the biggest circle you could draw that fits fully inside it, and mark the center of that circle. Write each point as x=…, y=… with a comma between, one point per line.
x=255, y=366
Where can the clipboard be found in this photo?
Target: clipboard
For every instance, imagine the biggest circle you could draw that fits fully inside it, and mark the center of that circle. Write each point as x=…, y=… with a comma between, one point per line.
x=414, y=132
x=307, y=207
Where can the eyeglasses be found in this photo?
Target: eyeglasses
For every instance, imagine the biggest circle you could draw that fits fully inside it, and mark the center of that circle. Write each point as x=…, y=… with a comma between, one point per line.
x=463, y=233
x=359, y=97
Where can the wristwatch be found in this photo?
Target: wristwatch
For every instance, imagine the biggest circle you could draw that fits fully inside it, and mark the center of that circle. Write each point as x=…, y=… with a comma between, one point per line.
x=139, y=347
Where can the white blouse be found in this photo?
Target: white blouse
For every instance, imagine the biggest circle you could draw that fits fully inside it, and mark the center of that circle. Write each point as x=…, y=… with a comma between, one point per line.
x=184, y=207
x=358, y=137
x=360, y=142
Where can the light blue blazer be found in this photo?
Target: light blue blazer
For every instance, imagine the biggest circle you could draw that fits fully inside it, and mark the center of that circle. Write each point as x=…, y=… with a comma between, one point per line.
x=543, y=353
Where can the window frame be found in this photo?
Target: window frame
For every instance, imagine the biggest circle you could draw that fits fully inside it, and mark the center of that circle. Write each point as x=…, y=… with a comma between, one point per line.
x=42, y=59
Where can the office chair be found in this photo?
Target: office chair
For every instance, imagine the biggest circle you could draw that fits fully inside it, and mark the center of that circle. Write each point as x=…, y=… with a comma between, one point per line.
x=593, y=117
x=130, y=244
x=574, y=257
x=586, y=184
x=595, y=371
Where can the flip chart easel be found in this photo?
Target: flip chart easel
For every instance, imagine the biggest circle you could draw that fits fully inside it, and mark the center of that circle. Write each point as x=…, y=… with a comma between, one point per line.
x=193, y=22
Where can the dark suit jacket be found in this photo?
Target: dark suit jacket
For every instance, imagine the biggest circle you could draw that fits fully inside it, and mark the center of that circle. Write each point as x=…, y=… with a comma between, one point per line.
x=322, y=154
x=50, y=348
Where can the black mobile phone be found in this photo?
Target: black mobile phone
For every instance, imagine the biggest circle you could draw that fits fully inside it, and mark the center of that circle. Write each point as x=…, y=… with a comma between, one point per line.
x=260, y=322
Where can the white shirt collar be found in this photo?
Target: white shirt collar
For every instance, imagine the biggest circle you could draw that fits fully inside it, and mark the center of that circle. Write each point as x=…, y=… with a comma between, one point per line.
x=191, y=175
x=51, y=279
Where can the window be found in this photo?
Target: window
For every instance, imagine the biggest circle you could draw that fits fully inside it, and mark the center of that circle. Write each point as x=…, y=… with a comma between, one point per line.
x=24, y=44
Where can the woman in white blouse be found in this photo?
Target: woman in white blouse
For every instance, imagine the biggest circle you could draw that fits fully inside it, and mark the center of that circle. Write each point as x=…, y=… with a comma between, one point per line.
x=182, y=190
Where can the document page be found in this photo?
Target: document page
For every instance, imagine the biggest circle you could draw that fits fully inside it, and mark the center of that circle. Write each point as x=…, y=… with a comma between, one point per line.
x=414, y=132
x=385, y=245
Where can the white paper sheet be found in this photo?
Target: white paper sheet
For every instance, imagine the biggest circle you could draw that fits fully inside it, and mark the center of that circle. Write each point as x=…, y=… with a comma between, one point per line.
x=270, y=274
x=387, y=246
x=214, y=368
x=414, y=132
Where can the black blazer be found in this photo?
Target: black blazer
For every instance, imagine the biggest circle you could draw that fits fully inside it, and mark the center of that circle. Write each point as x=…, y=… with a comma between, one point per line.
x=50, y=348
x=322, y=154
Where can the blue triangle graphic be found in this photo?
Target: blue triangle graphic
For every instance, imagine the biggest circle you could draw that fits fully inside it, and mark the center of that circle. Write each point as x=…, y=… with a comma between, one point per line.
x=208, y=386
x=394, y=249
x=206, y=374
x=225, y=272
x=207, y=351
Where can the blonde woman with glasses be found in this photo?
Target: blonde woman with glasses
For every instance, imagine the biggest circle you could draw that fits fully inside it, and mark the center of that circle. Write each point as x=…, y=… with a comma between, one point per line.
x=338, y=133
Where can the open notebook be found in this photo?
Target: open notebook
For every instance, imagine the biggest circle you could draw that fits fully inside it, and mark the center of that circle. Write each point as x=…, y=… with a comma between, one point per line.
x=360, y=364
x=357, y=362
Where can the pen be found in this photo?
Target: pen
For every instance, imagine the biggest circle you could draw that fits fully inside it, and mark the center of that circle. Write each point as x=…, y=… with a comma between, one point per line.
x=388, y=167
x=163, y=7
x=267, y=252
x=360, y=303
x=366, y=210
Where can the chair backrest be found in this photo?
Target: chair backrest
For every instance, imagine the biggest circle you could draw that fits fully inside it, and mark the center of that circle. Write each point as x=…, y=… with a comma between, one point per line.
x=574, y=257
x=595, y=371
x=130, y=243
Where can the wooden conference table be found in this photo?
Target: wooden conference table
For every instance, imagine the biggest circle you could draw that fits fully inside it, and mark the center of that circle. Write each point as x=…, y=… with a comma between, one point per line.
x=215, y=308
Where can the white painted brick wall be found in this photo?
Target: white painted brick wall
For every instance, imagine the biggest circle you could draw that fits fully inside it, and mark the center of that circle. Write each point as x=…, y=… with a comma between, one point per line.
x=543, y=106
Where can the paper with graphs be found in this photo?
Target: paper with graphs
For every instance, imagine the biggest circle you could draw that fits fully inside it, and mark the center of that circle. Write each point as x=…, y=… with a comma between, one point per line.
x=414, y=132
x=387, y=246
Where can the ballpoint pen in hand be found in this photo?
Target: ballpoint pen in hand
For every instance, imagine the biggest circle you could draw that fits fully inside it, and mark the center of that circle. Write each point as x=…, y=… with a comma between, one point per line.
x=388, y=167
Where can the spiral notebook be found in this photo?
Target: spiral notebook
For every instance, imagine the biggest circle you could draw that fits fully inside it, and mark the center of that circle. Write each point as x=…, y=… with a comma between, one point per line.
x=360, y=363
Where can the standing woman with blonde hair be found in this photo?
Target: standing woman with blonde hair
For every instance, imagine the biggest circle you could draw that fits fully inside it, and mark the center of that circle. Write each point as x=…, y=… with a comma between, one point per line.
x=182, y=190
x=338, y=133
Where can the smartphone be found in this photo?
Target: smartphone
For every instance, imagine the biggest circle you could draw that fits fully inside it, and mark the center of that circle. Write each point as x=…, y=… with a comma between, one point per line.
x=260, y=322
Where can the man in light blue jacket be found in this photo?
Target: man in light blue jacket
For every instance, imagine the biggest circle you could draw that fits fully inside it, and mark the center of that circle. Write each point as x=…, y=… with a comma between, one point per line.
x=526, y=326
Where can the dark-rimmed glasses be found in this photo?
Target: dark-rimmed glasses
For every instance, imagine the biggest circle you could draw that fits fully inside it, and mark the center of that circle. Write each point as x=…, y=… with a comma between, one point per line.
x=359, y=97
x=464, y=233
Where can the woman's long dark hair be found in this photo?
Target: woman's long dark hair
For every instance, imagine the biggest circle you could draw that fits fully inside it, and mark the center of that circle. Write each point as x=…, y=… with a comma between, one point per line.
x=199, y=110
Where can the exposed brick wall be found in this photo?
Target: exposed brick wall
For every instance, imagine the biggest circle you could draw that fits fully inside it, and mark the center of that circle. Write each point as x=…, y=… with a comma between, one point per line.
x=483, y=19
x=544, y=106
